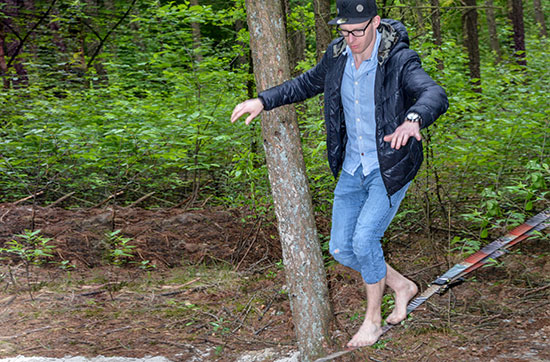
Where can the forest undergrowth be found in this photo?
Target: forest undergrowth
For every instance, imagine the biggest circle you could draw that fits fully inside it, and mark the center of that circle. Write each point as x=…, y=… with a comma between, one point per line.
x=135, y=218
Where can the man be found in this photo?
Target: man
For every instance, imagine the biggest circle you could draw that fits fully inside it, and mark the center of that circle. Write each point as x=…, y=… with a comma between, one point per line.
x=377, y=98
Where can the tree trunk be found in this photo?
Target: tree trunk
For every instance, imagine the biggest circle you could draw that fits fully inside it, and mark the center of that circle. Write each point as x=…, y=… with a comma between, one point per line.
x=196, y=32
x=304, y=270
x=3, y=65
x=539, y=17
x=469, y=21
x=419, y=14
x=323, y=34
x=516, y=16
x=14, y=48
x=102, y=79
x=296, y=40
x=492, y=27
x=436, y=29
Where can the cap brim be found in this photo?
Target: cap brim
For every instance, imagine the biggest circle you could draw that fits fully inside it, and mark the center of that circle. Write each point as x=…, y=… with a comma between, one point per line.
x=341, y=21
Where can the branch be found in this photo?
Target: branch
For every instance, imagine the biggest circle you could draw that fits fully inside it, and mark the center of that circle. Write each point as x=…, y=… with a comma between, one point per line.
x=21, y=42
x=102, y=41
x=12, y=29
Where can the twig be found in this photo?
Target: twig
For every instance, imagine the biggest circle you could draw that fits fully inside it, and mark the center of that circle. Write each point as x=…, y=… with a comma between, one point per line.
x=535, y=290
x=180, y=291
x=116, y=330
x=89, y=294
x=244, y=314
x=251, y=244
x=61, y=199
x=422, y=270
x=140, y=200
x=263, y=328
x=4, y=215
x=27, y=198
x=25, y=333
x=107, y=199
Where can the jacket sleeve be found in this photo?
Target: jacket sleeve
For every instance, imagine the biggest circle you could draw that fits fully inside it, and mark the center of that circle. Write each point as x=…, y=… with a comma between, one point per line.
x=305, y=86
x=430, y=99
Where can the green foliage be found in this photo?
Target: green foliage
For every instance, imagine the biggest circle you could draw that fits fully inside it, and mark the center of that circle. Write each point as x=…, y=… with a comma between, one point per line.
x=119, y=249
x=31, y=247
x=151, y=113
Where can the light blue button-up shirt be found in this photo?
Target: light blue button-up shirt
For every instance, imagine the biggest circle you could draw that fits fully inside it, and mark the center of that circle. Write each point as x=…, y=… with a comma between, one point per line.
x=358, y=101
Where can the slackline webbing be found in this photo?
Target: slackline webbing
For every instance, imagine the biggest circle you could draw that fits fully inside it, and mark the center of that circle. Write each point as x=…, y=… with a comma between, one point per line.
x=454, y=275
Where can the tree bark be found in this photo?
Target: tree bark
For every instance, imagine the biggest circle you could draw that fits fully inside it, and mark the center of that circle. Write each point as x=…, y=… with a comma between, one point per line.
x=102, y=78
x=304, y=270
x=516, y=16
x=436, y=30
x=3, y=64
x=14, y=48
x=419, y=14
x=196, y=32
x=492, y=27
x=296, y=40
x=323, y=34
x=469, y=21
x=539, y=17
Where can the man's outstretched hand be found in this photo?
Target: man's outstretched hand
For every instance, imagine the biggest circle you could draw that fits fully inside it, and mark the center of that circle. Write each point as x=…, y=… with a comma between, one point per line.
x=402, y=134
x=252, y=106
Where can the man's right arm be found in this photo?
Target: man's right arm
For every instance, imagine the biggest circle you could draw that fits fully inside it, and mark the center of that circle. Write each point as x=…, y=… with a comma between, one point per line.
x=295, y=90
x=305, y=86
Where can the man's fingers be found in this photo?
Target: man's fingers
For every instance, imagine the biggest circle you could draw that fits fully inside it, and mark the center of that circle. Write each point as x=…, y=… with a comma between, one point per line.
x=237, y=113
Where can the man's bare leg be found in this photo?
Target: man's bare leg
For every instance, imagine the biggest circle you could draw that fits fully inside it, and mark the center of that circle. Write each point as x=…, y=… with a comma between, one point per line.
x=404, y=290
x=371, y=328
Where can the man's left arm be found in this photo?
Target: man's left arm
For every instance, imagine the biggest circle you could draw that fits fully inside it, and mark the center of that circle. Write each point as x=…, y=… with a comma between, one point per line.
x=430, y=99
x=430, y=102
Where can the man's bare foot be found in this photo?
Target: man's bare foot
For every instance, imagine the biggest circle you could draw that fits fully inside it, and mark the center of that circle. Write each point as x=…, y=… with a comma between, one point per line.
x=367, y=335
x=402, y=297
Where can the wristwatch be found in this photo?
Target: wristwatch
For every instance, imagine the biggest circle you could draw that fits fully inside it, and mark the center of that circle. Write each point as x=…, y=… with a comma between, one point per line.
x=413, y=117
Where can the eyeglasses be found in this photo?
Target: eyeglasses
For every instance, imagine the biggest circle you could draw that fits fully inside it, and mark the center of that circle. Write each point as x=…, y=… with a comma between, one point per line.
x=355, y=32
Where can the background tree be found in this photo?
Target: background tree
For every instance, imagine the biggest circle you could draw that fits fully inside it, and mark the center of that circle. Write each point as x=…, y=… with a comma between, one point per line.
x=323, y=34
x=304, y=268
x=516, y=16
x=469, y=21
x=196, y=30
x=492, y=28
x=436, y=29
x=539, y=17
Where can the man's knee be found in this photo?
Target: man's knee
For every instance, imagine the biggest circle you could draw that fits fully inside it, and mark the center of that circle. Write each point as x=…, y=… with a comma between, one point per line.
x=343, y=257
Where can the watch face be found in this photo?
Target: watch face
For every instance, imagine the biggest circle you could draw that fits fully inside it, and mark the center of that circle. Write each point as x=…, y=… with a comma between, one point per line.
x=414, y=117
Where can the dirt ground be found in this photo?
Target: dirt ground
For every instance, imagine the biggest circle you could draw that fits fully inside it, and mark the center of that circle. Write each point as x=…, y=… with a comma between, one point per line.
x=218, y=291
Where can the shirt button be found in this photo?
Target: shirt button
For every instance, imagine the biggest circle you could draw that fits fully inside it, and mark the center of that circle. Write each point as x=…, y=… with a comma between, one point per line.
x=358, y=119
x=356, y=101
x=362, y=154
x=356, y=83
x=360, y=137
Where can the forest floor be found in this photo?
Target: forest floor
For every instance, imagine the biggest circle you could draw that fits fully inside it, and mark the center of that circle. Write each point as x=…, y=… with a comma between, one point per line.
x=218, y=292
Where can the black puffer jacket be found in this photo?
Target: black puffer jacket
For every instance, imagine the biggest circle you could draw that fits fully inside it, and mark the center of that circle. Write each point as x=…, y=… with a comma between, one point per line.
x=402, y=86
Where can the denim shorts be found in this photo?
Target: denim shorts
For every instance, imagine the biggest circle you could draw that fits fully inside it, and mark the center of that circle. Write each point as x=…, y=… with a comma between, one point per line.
x=361, y=213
